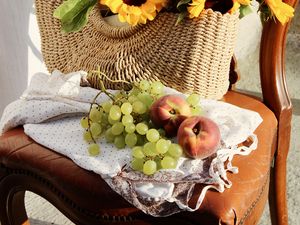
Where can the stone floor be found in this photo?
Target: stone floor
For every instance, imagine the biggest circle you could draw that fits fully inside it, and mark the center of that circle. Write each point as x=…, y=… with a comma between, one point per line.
x=43, y=213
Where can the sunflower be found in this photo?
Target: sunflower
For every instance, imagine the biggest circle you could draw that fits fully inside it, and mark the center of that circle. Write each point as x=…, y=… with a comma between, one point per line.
x=196, y=8
x=135, y=11
x=282, y=11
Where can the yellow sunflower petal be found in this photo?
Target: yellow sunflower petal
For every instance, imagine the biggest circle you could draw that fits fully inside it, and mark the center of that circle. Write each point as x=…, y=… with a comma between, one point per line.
x=135, y=10
x=235, y=7
x=155, y=1
x=159, y=7
x=104, y=2
x=122, y=18
x=244, y=2
x=196, y=8
x=115, y=5
x=135, y=14
x=151, y=16
x=148, y=7
x=282, y=11
x=125, y=8
x=143, y=20
x=132, y=19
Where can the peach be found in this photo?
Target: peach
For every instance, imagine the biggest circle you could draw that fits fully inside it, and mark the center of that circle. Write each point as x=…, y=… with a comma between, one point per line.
x=199, y=137
x=168, y=112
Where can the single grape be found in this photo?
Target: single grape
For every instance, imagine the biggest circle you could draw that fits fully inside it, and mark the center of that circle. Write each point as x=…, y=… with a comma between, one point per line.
x=152, y=135
x=175, y=150
x=111, y=121
x=95, y=114
x=149, y=167
x=132, y=99
x=120, y=142
x=157, y=88
x=150, y=149
x=146, y=98
x=94, y=149
x=162, y=146
x=193, y=99
x=126, y=108
x=115, y=112
x=196, y=110
x=137, y=164
x=168, y=162
x=131, y=140
x=95, y=129
x=87, y=136
x=127, y=119
x=117, y=128
x=84, y=122
x=109, y=136
x=139, y=107
x=141, y=128
x=106, y=106
x=130, y=128
x=137, y=152
x=144, y=85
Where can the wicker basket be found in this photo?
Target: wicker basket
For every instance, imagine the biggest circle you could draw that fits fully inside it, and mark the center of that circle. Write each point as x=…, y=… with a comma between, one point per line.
x=193, y=56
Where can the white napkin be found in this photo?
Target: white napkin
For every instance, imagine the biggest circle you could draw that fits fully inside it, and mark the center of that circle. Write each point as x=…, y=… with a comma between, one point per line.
x=51, y=108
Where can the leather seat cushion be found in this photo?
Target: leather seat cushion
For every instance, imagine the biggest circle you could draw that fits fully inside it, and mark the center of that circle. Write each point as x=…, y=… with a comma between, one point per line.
x=88, y=191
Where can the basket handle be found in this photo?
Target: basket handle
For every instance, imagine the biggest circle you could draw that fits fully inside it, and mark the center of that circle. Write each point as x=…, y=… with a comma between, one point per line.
x=108, y=30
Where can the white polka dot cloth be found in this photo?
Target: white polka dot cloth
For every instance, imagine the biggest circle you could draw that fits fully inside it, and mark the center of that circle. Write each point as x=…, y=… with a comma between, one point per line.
x=51, y=108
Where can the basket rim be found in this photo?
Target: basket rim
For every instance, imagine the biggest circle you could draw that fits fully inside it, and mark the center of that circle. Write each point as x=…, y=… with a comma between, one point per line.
x=111, y=31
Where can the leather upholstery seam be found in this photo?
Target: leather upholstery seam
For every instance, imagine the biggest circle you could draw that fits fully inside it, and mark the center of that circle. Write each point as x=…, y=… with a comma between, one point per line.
x=17, y=149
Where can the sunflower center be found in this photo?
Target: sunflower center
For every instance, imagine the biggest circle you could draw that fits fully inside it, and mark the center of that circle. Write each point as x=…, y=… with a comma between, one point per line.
x=134, y=2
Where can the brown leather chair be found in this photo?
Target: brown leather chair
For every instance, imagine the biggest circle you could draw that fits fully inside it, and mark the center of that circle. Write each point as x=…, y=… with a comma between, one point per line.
x=86, y=199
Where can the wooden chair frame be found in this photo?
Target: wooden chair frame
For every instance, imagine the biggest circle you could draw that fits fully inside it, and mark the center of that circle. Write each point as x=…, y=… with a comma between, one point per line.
x=276, y=97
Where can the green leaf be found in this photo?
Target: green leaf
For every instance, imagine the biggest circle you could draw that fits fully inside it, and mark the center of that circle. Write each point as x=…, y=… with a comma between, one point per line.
x=80, y=7
x=181, y=17
x=245, y=10
x=78, y=22
x=182, y=5
x=70, y=9
x=65, y=7
x=74, y=14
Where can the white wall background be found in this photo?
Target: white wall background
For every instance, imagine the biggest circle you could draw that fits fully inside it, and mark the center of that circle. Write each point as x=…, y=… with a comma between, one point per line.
x=20, y=55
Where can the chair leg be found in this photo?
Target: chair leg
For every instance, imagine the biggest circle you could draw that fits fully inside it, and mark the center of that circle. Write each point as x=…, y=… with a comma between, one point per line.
x=12, y=207
x=277, y=196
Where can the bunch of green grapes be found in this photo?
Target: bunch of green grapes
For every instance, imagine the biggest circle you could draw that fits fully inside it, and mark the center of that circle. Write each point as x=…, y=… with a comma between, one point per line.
x=156, y=154
x=124, y=119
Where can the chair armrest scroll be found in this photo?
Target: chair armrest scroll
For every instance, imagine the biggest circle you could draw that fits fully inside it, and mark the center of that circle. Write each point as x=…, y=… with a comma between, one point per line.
x=272, y=67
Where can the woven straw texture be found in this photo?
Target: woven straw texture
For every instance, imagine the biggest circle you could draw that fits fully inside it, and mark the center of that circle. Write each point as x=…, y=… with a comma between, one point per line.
x=193, y=56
